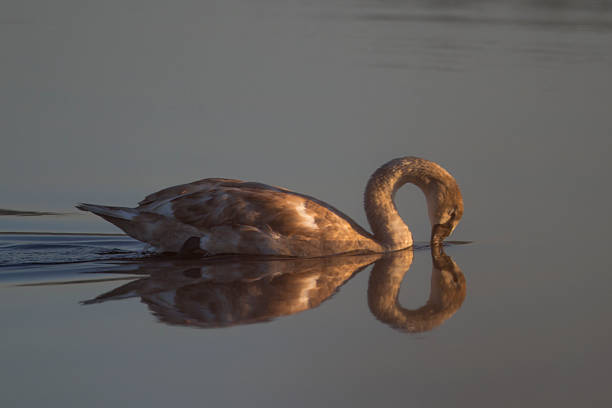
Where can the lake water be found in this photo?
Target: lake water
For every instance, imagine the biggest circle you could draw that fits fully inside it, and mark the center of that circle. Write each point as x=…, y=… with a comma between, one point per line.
x=110, y=101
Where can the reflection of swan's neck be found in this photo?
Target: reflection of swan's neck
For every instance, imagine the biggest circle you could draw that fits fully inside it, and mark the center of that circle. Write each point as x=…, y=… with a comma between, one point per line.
x=387, y=226
x=446, y=294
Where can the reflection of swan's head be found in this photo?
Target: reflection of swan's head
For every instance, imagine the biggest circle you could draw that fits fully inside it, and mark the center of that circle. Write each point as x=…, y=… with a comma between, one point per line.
x=446, y=294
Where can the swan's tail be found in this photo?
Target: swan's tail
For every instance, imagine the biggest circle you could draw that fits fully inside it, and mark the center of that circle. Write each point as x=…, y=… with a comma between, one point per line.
x=122, y=213
x=159, y=231
x=122, y=217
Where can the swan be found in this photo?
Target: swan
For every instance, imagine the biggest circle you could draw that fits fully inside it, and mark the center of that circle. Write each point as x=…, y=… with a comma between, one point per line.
x=224, y=216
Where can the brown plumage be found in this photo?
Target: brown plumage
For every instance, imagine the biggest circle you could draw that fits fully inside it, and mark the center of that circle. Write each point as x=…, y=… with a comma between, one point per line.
x=223, y=216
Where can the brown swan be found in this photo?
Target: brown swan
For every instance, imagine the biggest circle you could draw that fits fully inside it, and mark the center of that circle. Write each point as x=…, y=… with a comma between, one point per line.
x=223, y=216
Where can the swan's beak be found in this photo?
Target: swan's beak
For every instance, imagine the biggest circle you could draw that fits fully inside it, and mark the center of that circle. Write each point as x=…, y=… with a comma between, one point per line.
x=439, y=232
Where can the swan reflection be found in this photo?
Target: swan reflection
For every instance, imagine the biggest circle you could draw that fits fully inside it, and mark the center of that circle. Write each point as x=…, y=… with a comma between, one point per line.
x=237, y=290
x=446, y=294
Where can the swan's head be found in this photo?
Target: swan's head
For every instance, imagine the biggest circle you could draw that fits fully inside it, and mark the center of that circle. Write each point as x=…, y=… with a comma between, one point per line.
x=445, y=208
x=444, y=201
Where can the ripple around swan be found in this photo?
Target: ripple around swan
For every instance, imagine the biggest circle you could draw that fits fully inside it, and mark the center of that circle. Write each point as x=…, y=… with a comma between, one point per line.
x=43, y=259
x=27, y=250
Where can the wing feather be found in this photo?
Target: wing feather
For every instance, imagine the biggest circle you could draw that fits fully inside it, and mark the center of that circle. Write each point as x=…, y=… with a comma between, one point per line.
x=181, y=189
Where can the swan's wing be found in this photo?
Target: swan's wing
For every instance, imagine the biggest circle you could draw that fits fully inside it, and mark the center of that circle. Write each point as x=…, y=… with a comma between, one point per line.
x=241, y=215
x=249, y=204
x=210, y=203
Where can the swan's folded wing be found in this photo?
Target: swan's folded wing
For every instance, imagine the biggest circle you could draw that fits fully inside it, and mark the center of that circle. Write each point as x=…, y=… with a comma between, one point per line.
x=182, y=189
x=247, y=204
x=245, y=217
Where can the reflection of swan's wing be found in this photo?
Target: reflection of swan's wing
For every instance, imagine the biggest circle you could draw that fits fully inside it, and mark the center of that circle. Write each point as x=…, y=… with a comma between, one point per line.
x=446, y=295
x=216, y=294
x=170, y=274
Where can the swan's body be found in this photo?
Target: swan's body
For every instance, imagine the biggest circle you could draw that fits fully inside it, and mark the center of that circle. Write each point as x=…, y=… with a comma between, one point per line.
x=222, y=216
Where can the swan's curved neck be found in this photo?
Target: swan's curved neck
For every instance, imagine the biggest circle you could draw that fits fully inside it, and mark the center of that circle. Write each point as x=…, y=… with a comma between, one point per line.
x=387, y=225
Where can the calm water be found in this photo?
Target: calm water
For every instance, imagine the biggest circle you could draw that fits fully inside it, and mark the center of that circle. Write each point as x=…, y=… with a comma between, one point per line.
x=107, y=102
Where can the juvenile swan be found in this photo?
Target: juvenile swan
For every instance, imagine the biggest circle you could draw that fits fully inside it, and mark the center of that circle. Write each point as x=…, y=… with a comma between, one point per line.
x=223, y=216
